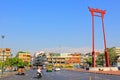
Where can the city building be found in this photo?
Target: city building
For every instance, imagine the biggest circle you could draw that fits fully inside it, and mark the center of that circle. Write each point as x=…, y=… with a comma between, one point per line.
x=24, y=55
x=31, y=60
x=56, y=59
x=117, y=50
x=63, y=59
x=39, y=58
x=74, y=59
x=5, y=53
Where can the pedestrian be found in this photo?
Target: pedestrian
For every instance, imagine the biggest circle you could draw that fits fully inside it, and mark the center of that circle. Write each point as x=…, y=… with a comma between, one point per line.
x=39, y=74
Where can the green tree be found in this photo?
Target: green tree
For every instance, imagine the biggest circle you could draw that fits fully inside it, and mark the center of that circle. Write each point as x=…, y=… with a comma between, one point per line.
x=0, y=64
x=89, y=60
x=100, y=59
x=112, y=55
x=13, y=62
x=8, y=62
x=25, y=64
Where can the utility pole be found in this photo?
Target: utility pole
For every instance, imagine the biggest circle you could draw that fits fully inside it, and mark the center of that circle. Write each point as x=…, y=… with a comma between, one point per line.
x=2, y=53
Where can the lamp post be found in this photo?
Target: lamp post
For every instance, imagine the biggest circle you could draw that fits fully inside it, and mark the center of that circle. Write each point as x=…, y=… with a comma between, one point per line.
x=3, y=53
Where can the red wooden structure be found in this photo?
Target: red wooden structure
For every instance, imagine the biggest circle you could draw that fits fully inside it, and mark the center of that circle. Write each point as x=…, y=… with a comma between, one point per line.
x=100, y=13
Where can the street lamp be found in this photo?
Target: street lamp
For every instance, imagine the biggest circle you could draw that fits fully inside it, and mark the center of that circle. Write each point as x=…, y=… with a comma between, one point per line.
x=3, y=53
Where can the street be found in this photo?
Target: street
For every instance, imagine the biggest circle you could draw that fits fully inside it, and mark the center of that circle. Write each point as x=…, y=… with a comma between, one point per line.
x=61, y=75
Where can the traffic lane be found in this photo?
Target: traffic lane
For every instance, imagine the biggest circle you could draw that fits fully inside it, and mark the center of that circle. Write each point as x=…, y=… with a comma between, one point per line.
x=105, y=77
x=65, y=75
x=94, y=76
x=55, y=75
x=17, y=77
x=29, y=75
x=75, y=75
x=61, y=75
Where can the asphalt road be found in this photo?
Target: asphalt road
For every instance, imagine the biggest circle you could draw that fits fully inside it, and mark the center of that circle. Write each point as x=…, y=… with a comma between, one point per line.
x=61, y=75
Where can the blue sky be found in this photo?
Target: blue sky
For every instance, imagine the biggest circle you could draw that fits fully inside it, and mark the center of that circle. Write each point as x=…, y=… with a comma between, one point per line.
x=37, y=24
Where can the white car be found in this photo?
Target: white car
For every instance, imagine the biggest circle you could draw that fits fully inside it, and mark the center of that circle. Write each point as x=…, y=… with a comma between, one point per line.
x=57, y=69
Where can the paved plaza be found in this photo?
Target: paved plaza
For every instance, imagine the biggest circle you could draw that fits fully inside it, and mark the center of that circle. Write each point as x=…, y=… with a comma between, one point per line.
x=98, y=72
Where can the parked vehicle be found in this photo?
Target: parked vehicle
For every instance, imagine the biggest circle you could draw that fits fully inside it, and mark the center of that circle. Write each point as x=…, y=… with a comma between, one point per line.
x=57, y=69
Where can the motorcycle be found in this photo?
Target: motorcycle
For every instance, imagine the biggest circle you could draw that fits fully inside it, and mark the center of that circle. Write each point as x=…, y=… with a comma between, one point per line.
x=39, y=75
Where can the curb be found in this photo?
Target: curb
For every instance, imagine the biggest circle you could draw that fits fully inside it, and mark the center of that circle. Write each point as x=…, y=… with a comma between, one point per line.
x=95, y=72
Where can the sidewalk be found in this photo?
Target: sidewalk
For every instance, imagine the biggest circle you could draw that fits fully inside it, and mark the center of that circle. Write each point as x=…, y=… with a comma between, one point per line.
x=98, y=72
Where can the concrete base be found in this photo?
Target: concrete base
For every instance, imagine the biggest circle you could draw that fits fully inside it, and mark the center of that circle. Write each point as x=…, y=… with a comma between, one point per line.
x=103, y=69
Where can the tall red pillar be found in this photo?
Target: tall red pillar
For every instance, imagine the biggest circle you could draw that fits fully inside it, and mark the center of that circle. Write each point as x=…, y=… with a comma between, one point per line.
x=100, y=14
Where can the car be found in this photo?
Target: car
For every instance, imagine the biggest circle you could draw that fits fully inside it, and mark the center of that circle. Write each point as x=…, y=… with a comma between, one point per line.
x=57, y=69
x=48, y=70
